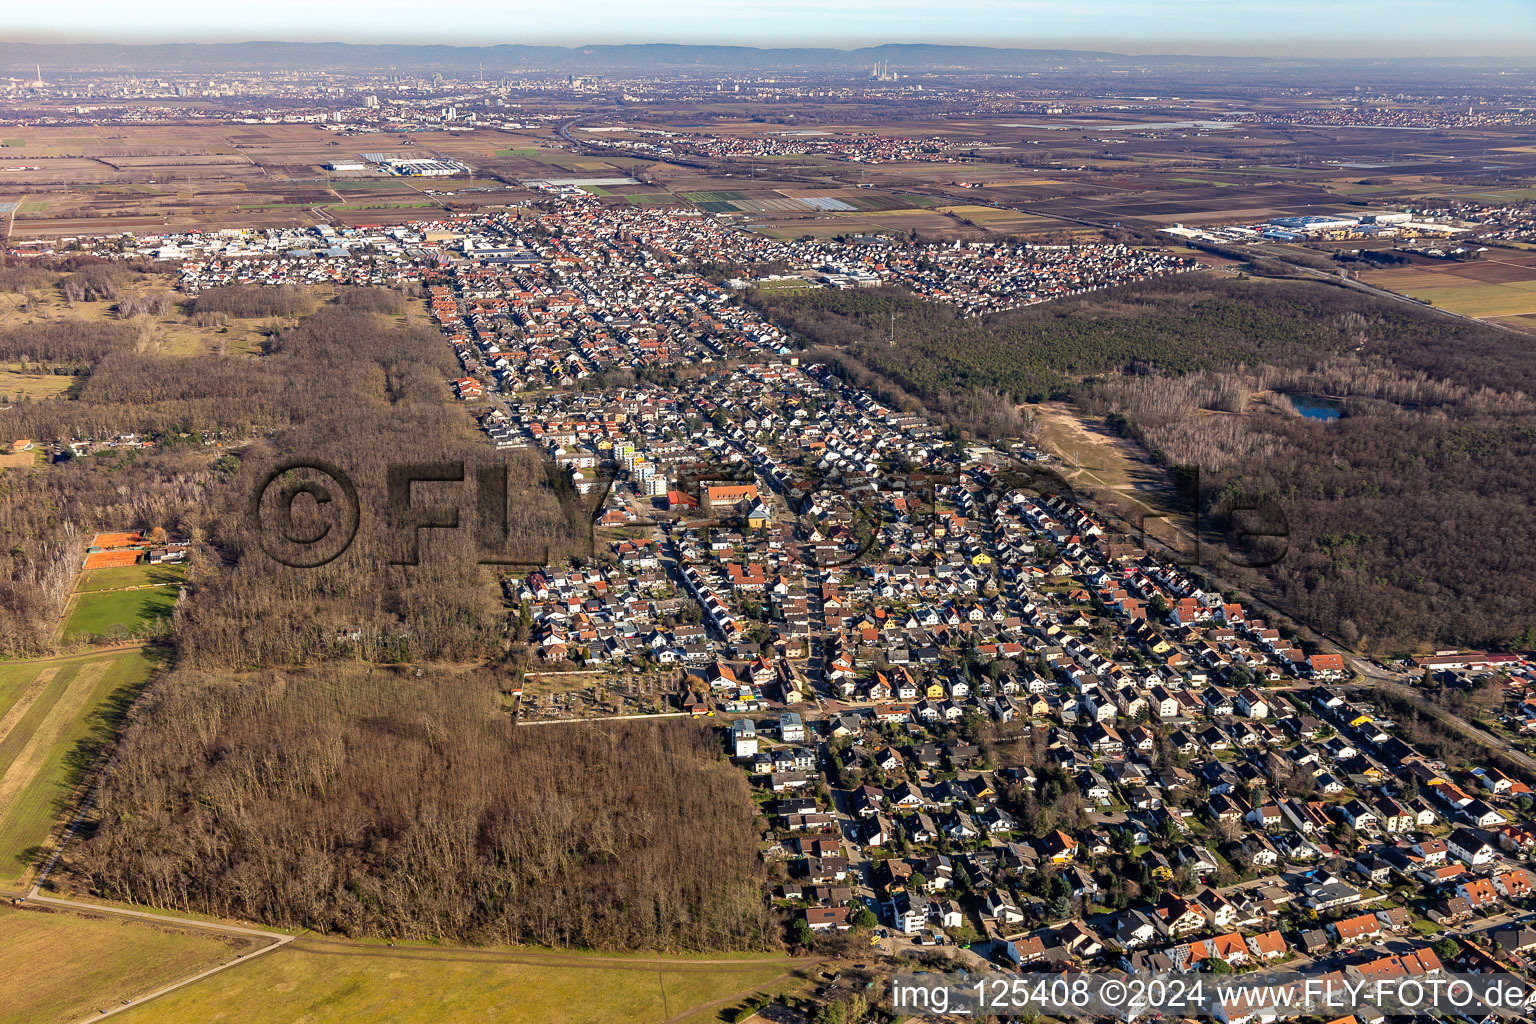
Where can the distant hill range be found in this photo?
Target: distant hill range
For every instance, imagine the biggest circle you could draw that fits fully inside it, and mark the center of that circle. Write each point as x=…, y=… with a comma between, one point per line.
x=905, y=58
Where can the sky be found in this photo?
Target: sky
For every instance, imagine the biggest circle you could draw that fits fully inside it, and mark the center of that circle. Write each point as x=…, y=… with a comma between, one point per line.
x=1275, y=27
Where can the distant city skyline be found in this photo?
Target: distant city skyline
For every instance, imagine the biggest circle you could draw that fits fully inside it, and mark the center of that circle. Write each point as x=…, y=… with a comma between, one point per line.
x=1208, y=27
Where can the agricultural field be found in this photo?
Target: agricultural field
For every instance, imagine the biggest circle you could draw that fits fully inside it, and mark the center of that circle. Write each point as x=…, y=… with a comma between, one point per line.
x=1485, y=301
x=144, y=177
x=884, y=200
x=54, y=714
x=870, y=200
x=339, y=983
x=108, y=960
x=351, y=207
x=1500, y=285
x=150, y=178
x=1354, y=189
x=784, y=205
x=925, y=222
x=381, y=184
x=1502, y=195
x=38, y=456
x=992, y=218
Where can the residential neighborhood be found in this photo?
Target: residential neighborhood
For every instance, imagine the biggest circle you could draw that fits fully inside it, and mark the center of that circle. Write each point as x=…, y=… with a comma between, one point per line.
x=812, y=514
x=980, y=719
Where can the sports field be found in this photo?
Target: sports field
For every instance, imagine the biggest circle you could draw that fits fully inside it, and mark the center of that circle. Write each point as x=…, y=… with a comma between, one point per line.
x=117, y=613
x=339, y=983
x=131, y=576
x=119, y=601
x=54, y=715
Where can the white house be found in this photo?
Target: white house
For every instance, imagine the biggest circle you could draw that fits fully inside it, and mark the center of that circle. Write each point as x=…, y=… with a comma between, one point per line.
x=743, y=739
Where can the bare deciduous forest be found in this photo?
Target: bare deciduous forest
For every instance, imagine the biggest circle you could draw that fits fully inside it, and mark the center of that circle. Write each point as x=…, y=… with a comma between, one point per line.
x=249, y=300
x=345, y=387
x=391, y=802
x=346, y=390
x=71, y=343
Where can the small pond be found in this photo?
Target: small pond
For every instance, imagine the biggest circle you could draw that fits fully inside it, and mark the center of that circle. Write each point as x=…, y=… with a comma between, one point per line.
x=1316, y=407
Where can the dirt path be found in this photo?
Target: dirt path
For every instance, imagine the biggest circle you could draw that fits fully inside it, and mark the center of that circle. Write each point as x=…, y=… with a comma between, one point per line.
x=336, y=947
x=277, y=941
x=29, y=762
x=726, y=1001
x=25, y=701
x=169, y=920
x=130, y=1004
x=606, y=718
x=91, y=652
x=1381, y=681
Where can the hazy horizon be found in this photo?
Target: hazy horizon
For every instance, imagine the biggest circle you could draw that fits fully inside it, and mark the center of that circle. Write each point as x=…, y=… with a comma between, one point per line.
x=1215, y=49
x=1277, y=28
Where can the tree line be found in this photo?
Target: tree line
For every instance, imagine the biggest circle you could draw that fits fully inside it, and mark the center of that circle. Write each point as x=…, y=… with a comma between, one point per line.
x=249, y=300
x=1179, y=325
